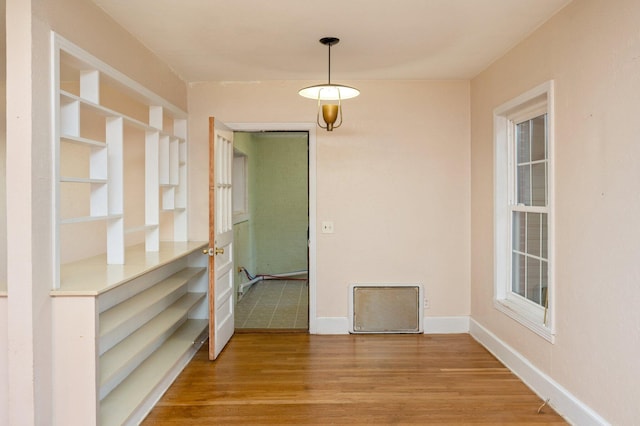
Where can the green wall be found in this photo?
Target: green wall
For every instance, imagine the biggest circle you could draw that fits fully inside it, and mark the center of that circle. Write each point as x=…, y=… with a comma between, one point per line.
x=282, y=206
x=274, y=238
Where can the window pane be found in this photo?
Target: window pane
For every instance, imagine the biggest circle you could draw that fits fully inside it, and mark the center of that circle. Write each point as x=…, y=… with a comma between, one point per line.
x=522, y=142
x=543, y=251
x=518, y=274
x=533, y=234
x=538, y=138
x=544, y=283
x=539, y=184
x=524, y=182
x=518, y=230
x=533, y=280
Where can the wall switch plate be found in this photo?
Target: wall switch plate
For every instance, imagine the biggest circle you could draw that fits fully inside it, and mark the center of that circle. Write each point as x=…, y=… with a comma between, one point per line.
x=327, y=227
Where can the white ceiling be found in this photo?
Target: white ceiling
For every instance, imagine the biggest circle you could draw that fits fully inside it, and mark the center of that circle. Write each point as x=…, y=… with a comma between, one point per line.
x=253, y=40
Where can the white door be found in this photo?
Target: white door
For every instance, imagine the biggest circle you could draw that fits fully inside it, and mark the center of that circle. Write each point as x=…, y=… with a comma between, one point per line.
x=221, y=308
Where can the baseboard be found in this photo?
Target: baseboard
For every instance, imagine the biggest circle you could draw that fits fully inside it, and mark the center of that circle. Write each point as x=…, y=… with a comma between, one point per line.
x=332, y=325
x=566, y=404
x=431, y=325
x=446, y=325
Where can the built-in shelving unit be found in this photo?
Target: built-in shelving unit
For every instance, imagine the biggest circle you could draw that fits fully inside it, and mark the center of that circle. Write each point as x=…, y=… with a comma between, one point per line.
x=95, y=132
x=130, y=299
x=123, y=332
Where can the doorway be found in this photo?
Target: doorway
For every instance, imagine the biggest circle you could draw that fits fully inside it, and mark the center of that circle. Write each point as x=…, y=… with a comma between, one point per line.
x=271, y=230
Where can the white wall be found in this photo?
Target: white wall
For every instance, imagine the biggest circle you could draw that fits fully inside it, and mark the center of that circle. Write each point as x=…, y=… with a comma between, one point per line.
x=29, y=173
x=591, y=49
x=394, y=179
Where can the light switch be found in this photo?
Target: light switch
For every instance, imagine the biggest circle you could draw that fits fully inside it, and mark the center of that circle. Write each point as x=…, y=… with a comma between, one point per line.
x=327, y=227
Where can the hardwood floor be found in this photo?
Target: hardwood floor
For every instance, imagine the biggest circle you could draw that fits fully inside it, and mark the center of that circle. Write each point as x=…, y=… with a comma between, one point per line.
x=349, y=379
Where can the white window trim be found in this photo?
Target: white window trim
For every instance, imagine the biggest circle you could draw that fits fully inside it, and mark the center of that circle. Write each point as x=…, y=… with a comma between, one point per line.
x=242, y=189
x=528, y=105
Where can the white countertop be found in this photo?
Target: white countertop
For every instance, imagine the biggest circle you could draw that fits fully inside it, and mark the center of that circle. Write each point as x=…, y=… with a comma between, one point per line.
x=92, y=276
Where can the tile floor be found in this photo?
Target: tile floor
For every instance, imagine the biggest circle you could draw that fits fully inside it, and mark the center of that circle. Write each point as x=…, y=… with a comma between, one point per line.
x=274, y=304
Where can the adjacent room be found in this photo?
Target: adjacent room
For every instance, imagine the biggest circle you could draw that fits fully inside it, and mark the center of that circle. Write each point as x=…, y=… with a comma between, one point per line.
x=339, y=212
x=271, y=230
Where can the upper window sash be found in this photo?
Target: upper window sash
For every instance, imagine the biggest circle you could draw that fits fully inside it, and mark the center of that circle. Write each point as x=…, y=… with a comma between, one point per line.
x=531, y=111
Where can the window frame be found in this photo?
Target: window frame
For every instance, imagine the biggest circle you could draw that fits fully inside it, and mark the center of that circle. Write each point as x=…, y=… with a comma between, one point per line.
x=530, y=104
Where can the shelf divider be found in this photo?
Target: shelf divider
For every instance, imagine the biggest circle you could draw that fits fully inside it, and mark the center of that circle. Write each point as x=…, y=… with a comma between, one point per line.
x=115, y=228
x=152, y=190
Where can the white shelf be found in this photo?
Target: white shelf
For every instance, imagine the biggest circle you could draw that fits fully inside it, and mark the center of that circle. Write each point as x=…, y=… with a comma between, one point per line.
x=93, y=276
x=130, y=396
x=139, y=228
x=82, y=219
x=107, y=112
x=82, y=180
x=117, y=363
x=83, y=141
x=119, y=321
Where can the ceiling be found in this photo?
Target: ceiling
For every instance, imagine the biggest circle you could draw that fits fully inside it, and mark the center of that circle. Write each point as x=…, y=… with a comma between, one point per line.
x=254, y=40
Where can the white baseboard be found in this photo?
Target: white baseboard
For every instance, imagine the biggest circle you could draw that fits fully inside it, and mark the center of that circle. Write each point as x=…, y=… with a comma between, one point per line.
x=446, y=325
x=431, y=325
x=332, y=325
x=566, y=404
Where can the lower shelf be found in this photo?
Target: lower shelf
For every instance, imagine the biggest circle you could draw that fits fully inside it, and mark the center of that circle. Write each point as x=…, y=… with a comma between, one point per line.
x=117, y=363
x=133, y=398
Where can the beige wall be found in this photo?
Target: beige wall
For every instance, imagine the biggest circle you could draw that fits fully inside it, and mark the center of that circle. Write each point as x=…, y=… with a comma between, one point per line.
x=29, y=174
x=400, y=182
x=394, y=179
x=4, y=363
x=91, y=29
x=4, y=388
x=3, y=195
x=592, y=51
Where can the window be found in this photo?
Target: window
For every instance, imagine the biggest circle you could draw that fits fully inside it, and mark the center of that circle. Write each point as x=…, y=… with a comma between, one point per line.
x=524, y=209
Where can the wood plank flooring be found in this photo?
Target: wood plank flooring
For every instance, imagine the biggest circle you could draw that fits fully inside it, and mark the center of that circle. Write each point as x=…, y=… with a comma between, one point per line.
x=352, y=380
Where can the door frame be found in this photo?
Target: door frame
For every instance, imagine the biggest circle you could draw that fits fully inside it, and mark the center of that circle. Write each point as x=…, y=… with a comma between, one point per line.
x=310, y=128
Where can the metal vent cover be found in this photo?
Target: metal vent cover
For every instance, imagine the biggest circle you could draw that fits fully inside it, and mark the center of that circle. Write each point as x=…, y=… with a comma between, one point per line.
x=386, y=308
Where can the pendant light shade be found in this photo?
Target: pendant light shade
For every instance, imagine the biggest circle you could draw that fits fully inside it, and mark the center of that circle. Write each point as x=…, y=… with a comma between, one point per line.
x=328, y=94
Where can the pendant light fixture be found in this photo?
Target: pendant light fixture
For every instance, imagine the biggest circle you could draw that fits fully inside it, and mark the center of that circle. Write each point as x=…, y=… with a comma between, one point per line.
x=329, y=95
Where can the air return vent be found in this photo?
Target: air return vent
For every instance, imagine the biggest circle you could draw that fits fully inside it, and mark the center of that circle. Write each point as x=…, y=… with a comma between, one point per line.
x=385, y=308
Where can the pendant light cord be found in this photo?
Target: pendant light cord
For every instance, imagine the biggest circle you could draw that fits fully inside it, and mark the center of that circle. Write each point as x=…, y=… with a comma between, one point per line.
x=329, y=63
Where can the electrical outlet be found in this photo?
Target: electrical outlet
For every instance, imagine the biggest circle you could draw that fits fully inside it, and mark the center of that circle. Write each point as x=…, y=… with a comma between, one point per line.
x=327, y=227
